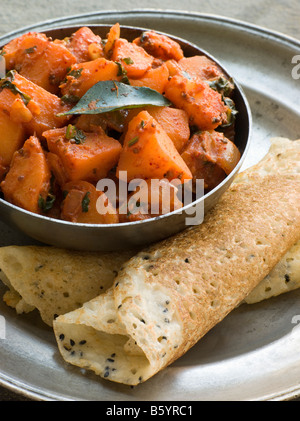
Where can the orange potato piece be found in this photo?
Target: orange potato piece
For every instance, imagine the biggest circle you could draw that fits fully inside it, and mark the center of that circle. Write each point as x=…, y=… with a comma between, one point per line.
x=28, y=179
x=43, y=107
x=149, y=152
x=200, y=67
x=39, y=60
x=80, y=41
x=133, y=58
x=174, y=68
x=57, y=168
x=113, y=35
x=80, y=205
x=211, y=156
x=47, y=107
x=19, y=45
x=49, y=69
x=203, y=105
x=90, y=160
x=159, y=46
x=85, y=75
x=175, y=123
x=219, y=149
x=12, y=135
x=155, y=78
x=19, y=113
x=7, y=104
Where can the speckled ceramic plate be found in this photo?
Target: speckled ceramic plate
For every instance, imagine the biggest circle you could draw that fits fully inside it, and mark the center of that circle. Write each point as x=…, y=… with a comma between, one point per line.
x=254, y=353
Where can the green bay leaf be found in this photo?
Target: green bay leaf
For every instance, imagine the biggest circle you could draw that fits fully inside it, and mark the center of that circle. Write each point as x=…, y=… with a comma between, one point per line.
x=109, y=95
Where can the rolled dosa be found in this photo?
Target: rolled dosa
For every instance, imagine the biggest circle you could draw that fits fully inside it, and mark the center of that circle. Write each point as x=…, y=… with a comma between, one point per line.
x=167, y=297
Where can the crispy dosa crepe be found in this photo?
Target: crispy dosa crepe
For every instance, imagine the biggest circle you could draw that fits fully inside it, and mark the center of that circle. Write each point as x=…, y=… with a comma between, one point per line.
x=167, y=297
x=53, y=280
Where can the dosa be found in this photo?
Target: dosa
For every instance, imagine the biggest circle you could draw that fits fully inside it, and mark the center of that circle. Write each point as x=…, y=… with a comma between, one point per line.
x=167, y=297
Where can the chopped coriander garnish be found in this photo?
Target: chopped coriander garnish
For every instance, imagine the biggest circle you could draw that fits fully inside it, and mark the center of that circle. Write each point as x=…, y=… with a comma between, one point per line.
x=75, y=73
x=85, y=202
x=71, y=132
x=133, y=141
x=46, y=204
x=69, y=99
x=75, y=134
x=128, y=60
x=7, y=83
x=122, y=72
x=231, y=112
x=221, y=85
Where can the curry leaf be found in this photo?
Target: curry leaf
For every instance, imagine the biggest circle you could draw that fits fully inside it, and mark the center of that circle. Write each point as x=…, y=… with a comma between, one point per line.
x=109, y=95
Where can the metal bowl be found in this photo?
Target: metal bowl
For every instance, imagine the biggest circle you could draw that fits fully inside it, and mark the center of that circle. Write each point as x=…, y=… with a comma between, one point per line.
x=108, y=237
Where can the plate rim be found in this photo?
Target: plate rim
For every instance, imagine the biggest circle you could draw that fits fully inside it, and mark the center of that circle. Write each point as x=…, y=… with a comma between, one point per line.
x=248, y=26
x=269, y=34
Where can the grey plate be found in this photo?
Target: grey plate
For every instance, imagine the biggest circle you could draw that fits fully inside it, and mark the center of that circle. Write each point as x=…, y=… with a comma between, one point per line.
x=254, y=353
